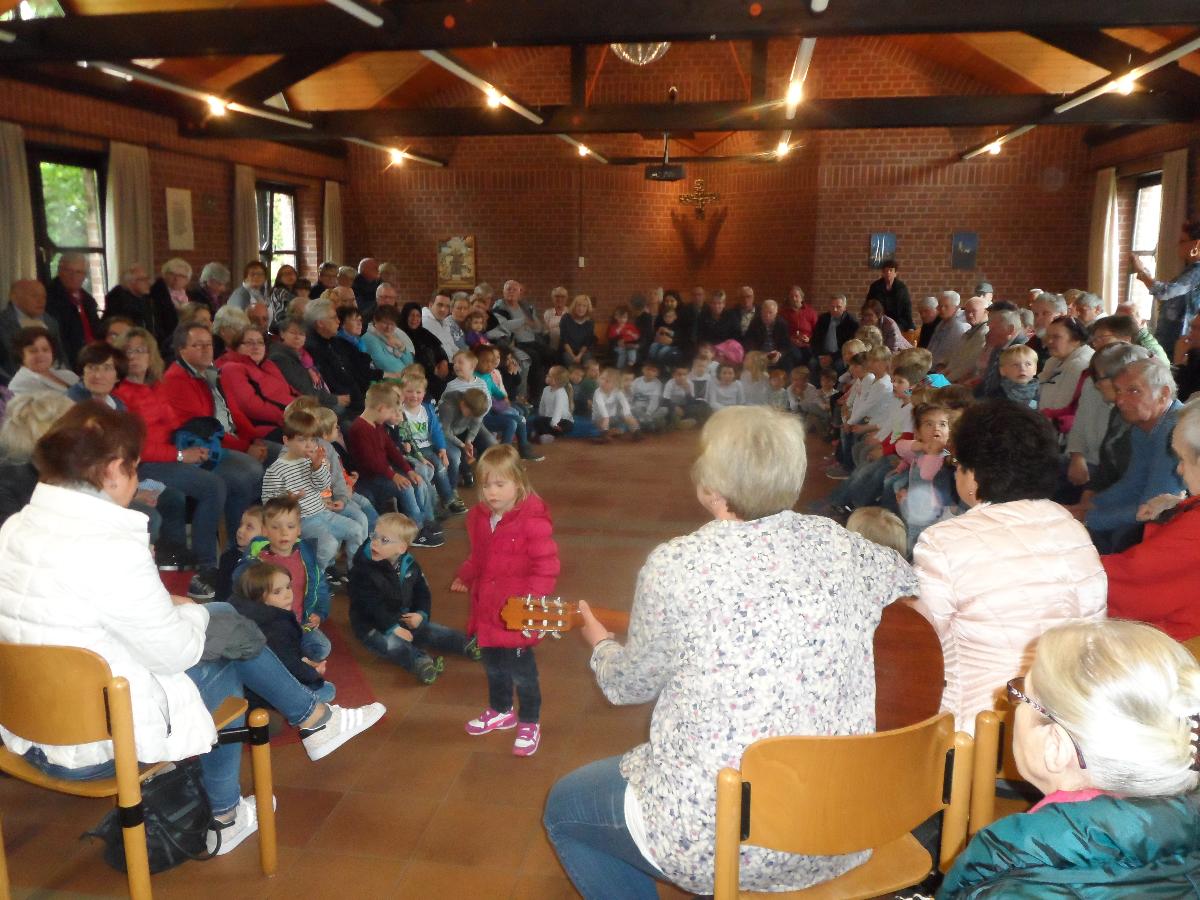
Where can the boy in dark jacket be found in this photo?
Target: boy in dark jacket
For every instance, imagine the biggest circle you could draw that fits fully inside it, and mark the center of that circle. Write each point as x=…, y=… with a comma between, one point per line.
x=390, y=603
x=264, y=595
x=251, y=526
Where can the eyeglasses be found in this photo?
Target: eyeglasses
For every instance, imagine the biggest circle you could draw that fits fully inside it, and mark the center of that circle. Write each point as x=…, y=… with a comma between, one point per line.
x=1016, y=693
x=137, y=351
x=386, y=540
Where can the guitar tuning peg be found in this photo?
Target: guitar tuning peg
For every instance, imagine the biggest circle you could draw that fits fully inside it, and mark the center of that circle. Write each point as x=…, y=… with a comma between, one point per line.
x=525, y=632
x=557, y=635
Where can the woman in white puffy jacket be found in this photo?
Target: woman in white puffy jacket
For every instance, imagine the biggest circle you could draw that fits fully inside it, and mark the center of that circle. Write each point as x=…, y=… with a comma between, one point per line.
x=76, y=570
x=1015, y=564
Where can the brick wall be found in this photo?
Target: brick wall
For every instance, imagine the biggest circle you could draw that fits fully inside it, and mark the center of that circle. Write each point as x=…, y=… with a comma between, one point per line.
x=204, y=167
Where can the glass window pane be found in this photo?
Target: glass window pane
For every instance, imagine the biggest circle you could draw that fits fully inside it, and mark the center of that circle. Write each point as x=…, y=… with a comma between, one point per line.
x=284, y=224
x=280, y=260
x=71, y=197
x=1145, y=218
x=262, y=208
x=96, y=280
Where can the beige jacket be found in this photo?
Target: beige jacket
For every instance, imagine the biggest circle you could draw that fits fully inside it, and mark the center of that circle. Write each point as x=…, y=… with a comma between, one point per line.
x=963, y=359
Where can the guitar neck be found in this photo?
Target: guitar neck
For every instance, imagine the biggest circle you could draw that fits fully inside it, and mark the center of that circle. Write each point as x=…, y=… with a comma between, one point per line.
x=612, y=619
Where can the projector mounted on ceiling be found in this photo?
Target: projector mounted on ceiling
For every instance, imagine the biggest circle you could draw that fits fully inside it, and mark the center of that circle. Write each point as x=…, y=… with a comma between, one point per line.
x=666, y=170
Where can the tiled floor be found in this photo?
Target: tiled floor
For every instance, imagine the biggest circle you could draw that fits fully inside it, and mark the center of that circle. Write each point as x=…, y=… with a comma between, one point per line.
x=415, y=807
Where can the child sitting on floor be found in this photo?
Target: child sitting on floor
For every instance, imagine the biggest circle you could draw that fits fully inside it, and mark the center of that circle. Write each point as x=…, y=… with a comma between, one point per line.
x=264, y=596
x=777, y=390
x=610, y=408
x=584, y=381
x=462, y=424
x=683, y=409
x=1018, y=375
x=646, y=398
x=555, y=418
x=726, y=390
x=423, y=429
x=503, y=417
x=250, y=527
x=754, y=378
x=390, y=604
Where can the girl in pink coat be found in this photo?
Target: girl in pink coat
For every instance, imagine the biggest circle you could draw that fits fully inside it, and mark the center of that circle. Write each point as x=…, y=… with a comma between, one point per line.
x=512, y=554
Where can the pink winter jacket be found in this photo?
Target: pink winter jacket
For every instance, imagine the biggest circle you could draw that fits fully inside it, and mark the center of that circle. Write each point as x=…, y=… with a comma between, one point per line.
x=991, y=581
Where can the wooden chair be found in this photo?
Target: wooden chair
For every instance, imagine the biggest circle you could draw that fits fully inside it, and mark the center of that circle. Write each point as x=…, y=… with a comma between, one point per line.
x=994, y=759
x=68, y=695
x=909, y=671
x=834, y=795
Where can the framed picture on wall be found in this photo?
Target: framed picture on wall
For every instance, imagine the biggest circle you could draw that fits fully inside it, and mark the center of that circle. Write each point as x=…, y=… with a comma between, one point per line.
x=964, y=248
x=456, y=262
x=179, y=220
x=883, y=246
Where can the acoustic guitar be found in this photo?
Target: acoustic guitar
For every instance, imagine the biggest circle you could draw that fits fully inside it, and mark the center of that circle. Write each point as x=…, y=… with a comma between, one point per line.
x=909, y=673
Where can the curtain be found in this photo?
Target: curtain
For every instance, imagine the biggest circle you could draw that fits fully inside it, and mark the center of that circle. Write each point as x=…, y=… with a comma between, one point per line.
x=128, y=230
x=18, y=251
x=1103, y=250
x=245, y=220
x=1173, y=215
x=331, y=235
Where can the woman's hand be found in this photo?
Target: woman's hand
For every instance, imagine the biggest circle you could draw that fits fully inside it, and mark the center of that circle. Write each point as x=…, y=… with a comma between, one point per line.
x=1156, y=506
x=591, y=630
x=459, y=586
x=1077, y=470
x=412, y=620
x=182, y=601
x=147, y=498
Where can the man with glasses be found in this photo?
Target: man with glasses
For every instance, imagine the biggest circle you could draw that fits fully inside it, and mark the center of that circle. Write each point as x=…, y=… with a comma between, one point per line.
x=72, y=307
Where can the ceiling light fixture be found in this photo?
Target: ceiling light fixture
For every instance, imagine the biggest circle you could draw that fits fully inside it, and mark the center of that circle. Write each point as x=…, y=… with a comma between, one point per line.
x=581, y=148
x=640, y=54
x=456, y=68
x=795, y=88
x=493, y=97
x=994, y=148
x=784, y=147
x=362, y=13
x=216, y=106
x=395, y=155
x=1125, y=85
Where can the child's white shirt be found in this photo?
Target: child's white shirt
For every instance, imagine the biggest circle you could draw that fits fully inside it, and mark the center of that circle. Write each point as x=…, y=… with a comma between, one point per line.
x=856, y=391
x=812, y=396
x=874, y=402
x=418, y=426
x=673, y=393
x=647, y=392
x=614, y=405
x=476, y=382
x=723, y=395
x=899, y=423
x=755, y=392
x=555, y=405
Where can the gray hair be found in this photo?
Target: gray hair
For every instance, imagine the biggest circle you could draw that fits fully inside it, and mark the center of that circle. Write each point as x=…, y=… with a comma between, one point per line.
x=176, y=266
x=130, y=272
x=1092, y=300
x=1056, y=302
x=460, y=295
x=347, y=272
x=317, y=310
x=230, y=318
x=72, y=256
x=771, y=303
x=927, y=303
x=1113, y=359
x=1008, y=316
x=953, y=295
x=1153, y=371
x=1027, y=318
x=214, y=271
x=384, y=286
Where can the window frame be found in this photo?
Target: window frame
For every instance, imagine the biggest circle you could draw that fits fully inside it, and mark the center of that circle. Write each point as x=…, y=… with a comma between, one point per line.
x=46, y=248
x=267, y=251
x=1132, y=294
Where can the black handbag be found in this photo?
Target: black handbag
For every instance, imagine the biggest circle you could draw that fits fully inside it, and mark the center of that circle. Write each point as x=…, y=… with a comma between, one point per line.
x=178, y=821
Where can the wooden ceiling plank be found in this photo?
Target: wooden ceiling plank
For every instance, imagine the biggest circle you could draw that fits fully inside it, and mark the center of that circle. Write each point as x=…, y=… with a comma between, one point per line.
x=1115, y=56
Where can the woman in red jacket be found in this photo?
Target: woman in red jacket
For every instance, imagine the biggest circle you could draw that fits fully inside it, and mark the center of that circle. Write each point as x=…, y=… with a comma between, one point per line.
x=512, y=554
x=1156, y=581
x=141, y=392
x=255, y=384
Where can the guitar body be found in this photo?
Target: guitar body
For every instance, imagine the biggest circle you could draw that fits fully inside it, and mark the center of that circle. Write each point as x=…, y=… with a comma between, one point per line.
x=909, y=672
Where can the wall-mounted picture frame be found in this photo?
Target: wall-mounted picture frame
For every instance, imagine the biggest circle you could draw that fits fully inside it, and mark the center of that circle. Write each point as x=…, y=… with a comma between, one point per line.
x=964, y=249
x=456, y=262
x=180, y=234
x=882, y=247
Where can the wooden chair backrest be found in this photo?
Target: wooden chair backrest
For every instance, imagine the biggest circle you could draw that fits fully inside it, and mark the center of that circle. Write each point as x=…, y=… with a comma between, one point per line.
x=54, y=695
x=909, y=671
x=832, y=795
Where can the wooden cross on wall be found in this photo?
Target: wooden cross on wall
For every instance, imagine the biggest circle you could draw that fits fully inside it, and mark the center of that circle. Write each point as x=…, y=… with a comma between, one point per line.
x=698, y=197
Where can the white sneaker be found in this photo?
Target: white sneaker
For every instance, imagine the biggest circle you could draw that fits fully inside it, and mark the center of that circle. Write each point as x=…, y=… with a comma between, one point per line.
x=343, y=724
x=244, y=824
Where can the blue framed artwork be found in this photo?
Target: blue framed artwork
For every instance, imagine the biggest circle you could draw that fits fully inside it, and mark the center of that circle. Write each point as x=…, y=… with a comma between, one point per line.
x=883, y=247
x=964, y=247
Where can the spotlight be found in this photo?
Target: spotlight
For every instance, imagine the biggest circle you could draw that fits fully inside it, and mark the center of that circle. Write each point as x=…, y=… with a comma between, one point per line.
x=994, y=148
x=583, y=150
x=215, y=105
x=1125, y=85
x=493, y=97
x=396, y=156
x=795, y=92
x=782, y=149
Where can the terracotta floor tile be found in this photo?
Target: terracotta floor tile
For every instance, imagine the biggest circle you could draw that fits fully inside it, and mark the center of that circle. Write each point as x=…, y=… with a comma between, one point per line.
x=543, y=887
x=335, y=876
x=376, y=825
x=424, y=880
x=507, y=780
x=301, y=812
x=414, y=771
x=478, y=835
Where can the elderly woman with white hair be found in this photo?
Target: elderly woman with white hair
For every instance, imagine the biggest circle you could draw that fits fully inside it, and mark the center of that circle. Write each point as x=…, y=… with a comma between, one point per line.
x=1105, y=725
x=758, y=624
x=927, y=312
x=170, y=295
x=1155, y=581
x=211, y=286
x=227, y=326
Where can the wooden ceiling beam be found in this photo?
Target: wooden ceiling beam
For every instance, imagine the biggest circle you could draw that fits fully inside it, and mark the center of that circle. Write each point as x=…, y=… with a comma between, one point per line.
x=872, y=112
x=1116, y=56
x=281, y=75
x=467, y=23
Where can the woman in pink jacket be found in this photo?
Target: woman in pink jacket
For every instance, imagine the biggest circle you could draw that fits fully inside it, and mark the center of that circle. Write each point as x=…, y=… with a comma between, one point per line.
x=255, y=384
x=1010, y=567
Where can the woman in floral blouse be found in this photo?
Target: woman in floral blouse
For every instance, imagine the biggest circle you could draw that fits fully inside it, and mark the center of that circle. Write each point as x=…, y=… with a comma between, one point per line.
x=759, y=624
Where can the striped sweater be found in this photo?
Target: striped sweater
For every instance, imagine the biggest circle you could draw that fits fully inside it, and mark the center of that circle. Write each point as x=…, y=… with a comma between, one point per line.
x=299, y=478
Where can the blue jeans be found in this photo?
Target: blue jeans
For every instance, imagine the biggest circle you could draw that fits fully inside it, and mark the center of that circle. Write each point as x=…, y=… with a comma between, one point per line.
x=407, y=655
x=865, y=484
x=441, y=477
x=510, y=424
x=585, y=821
x=331, y=531
x=359, y=509
x=624, y=357
x=243, y=476
x=207, y=489
x=380, y=490
x=315, y=645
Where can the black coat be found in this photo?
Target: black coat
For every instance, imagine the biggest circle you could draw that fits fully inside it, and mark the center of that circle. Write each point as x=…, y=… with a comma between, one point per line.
x=845, y=331
x=288, y=361
x=756, y=335
x=896, y=301
x=332, y=362
x=718, y=330
x=17, y=481
x=283, y=634
x=364, y=294
x=70, y=329
x=379, y=596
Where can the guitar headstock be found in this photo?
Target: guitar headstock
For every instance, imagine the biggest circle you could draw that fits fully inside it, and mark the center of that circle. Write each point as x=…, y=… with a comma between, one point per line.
x=536, y=615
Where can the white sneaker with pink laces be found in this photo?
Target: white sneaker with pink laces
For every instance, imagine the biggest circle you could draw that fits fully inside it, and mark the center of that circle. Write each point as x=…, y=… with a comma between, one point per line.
x=529, y=737
x=489, y=720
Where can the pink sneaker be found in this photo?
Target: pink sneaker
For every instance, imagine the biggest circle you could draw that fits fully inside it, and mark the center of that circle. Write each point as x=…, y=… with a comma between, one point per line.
x=529, y=737
x=489, y=720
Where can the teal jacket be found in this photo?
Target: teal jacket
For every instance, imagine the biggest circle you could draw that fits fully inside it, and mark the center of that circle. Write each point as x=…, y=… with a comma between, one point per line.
x=1105, y=847
x=316, y=592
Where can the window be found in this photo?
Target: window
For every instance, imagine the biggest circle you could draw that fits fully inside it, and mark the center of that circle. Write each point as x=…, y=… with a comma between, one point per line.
x=276, y=227
x=32, y=9
x=67, y=189
x=1147, y=211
